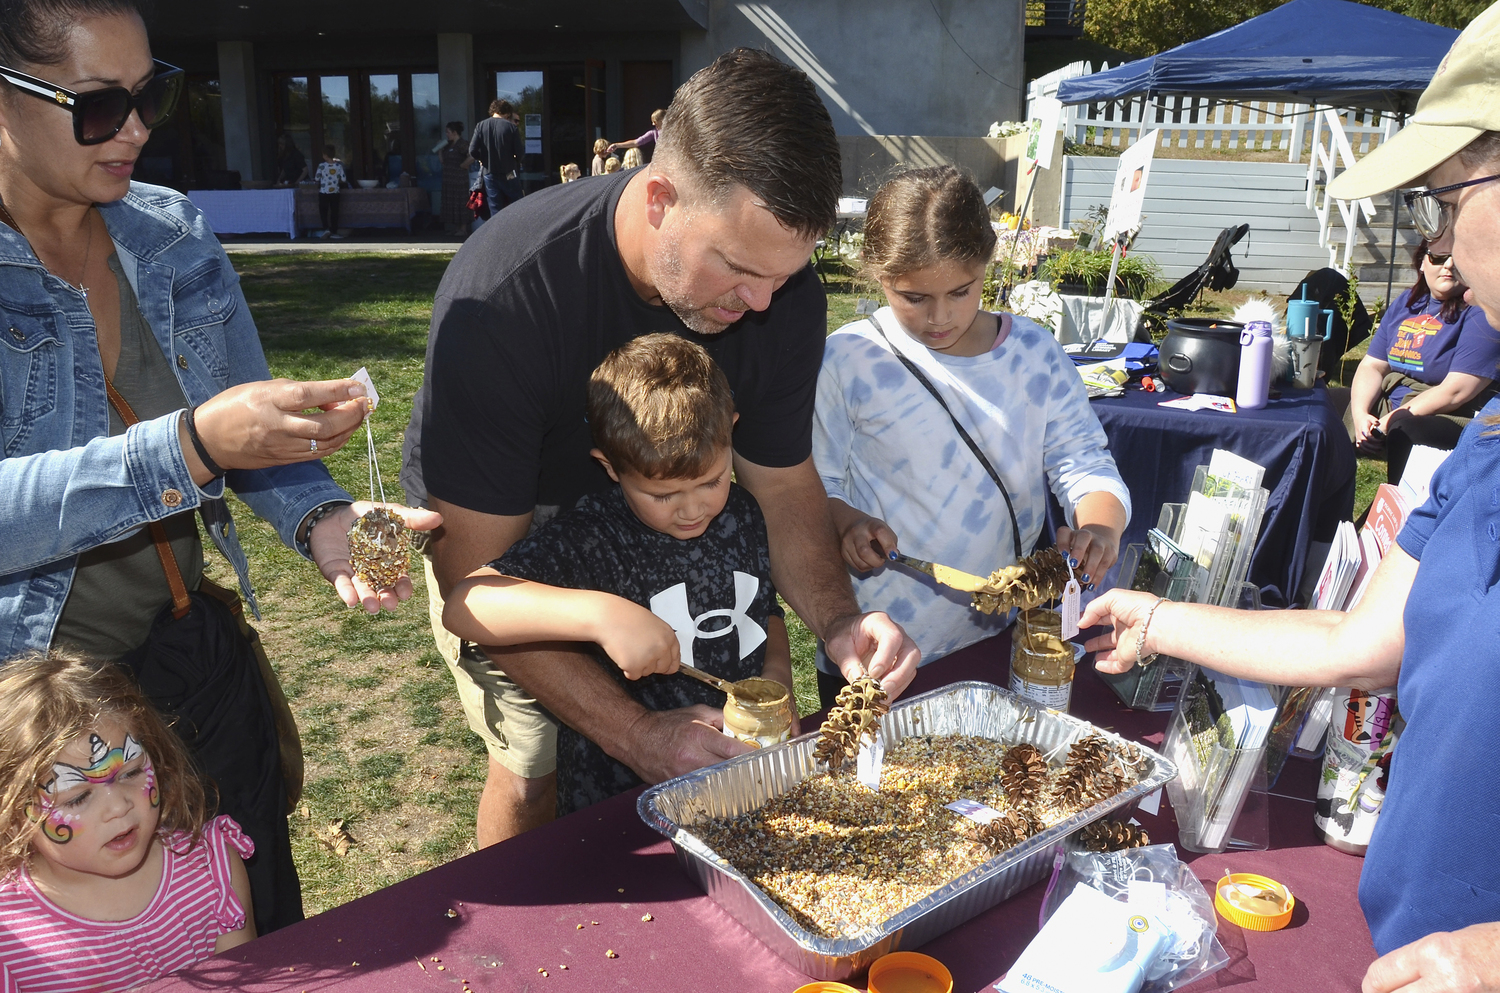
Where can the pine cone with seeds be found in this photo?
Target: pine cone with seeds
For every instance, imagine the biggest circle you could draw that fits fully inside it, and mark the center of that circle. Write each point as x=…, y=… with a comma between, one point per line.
x=1112, y=836
x=1006, y=831
x=1023, y=773
x=380, y=548
x=1029, y=583
x=854, y=716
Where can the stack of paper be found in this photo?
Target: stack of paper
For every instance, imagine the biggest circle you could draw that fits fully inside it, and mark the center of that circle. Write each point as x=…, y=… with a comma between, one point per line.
x=1417, y=476
x=1344, y=560
x=1217, y=739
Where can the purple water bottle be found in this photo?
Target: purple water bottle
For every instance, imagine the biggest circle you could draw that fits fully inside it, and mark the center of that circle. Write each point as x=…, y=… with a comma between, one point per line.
x=1254, y=385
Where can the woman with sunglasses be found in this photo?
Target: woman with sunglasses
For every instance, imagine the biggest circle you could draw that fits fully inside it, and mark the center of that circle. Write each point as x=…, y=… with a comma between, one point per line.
x=1429, y=622
x=1429, y=369
x=118, y=307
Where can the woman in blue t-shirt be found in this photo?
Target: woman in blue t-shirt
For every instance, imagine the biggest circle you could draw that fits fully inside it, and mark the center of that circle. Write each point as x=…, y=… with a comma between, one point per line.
x=1430, y=367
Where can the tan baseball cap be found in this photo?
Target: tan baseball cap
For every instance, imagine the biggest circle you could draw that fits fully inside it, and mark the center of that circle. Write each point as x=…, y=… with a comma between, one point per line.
x=1461, y=103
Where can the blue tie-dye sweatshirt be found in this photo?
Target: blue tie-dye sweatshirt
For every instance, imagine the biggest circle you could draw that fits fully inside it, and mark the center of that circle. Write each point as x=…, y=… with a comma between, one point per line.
x=883, y=445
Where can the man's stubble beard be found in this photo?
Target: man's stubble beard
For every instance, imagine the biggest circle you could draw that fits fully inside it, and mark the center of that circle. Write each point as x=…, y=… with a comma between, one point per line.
x=667, y=275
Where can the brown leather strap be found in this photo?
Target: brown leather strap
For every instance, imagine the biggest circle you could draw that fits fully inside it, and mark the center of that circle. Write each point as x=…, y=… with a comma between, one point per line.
x=180, y=601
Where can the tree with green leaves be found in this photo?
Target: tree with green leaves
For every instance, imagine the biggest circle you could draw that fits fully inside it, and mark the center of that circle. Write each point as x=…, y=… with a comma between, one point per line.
x=1150, y=26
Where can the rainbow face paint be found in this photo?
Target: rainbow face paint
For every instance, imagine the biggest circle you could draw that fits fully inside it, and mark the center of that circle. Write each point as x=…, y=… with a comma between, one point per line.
x=104, y=768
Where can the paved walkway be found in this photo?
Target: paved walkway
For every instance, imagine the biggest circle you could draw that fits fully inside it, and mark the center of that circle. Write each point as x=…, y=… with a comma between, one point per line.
x=359, y=243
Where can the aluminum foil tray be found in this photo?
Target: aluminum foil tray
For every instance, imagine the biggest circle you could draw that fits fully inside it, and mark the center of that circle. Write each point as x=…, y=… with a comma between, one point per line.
x=744, y=783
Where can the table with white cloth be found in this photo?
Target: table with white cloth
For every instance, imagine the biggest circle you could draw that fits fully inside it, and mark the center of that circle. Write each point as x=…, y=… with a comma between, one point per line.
x=248, y=211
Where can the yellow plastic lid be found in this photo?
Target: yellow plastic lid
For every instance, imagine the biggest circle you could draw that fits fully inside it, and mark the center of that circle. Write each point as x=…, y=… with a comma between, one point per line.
x=1257, y=903
x=825, y=987
x=909, y=972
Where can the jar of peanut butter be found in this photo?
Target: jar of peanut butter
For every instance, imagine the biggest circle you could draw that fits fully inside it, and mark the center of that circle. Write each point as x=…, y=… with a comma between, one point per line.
x=1041, y=662
x=759, y=712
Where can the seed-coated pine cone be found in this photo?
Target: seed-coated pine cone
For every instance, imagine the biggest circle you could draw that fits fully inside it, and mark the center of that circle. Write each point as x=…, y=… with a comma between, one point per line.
x=1029, y=583
x=1023, y=773
x=854, y=716
x=1089, y=753
x=1113, y=836
x=380, y=549
x=1006, y=831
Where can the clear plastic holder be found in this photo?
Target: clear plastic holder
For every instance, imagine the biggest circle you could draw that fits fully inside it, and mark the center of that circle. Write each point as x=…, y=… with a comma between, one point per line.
x=1220, y=794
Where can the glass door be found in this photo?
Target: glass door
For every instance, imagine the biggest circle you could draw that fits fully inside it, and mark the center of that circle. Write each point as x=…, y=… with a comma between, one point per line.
x=385, y=150
x=427, y=127
x=337, y=123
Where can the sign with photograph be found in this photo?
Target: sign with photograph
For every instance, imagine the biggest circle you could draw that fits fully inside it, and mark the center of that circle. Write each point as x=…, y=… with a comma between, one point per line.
x=1042, y=125
x=1128, y=195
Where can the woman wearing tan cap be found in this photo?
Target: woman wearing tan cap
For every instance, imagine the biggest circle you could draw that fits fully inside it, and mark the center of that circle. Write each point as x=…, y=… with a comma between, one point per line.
x=1429, y=623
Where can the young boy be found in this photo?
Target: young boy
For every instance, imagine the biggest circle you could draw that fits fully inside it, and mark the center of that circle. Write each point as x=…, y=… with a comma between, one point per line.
x=331, y=178
x=670, y=565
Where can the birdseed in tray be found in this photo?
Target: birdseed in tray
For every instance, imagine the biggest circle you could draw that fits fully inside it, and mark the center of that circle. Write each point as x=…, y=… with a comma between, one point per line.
x=840, y=858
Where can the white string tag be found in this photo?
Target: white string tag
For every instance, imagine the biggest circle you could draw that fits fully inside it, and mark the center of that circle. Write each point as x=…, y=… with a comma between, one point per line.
x=871, y=760
x=362, y=377
x=372, y=398
x=1070, y=608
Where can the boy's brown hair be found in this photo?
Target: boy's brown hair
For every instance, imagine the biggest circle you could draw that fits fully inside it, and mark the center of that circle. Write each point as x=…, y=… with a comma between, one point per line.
x=924, y=217
x=53, y=698
x=660, y=407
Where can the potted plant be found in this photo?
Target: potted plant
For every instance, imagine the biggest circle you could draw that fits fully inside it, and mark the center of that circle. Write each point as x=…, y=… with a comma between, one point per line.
x=1080, y=272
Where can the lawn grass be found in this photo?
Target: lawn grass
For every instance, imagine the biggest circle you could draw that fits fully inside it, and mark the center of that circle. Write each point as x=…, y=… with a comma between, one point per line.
x=389, y=757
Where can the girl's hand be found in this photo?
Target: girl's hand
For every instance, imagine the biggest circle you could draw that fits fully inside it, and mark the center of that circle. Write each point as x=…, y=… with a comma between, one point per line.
x=867, y=544
x=1092, y=549
x=1125, y=611
x=636, y=640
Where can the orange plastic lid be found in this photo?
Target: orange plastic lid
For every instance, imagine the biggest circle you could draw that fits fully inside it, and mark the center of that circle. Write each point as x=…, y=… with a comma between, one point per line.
x=909, y=972
x=1257, y=903
x=825, y=987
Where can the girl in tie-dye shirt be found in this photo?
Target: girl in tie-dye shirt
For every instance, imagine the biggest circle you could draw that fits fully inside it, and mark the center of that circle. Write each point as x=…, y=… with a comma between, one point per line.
x=896, y=470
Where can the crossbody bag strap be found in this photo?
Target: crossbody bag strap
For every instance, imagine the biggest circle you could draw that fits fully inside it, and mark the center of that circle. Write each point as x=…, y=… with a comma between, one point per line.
x=1015, y=528
x=180, y=601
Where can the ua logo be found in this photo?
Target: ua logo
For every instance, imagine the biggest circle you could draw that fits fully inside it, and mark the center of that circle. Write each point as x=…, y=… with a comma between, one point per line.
x=671, y=605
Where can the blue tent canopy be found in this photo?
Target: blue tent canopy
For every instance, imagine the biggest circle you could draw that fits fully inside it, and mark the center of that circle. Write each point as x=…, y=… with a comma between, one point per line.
x=1315, y=51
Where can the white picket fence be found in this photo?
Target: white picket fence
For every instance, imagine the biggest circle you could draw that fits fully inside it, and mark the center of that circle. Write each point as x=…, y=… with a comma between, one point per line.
x=1332, y=138
x=1201, y=122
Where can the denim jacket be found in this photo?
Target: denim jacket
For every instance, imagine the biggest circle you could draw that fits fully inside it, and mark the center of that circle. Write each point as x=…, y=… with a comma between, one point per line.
x=65, y=485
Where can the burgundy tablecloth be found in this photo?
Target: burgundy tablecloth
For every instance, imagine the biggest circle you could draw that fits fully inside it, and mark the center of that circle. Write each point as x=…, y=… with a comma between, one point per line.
x=517, y=907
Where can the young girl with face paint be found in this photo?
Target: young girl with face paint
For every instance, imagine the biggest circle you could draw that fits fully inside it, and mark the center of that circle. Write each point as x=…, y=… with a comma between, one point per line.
x=111, y=872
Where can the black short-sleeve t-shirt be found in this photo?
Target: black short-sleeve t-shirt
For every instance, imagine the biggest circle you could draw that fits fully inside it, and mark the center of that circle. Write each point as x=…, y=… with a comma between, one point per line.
x=714, y=590
x=530, y=305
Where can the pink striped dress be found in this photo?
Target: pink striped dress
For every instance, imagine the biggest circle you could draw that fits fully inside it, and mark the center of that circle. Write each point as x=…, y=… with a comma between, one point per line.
x=43, y=948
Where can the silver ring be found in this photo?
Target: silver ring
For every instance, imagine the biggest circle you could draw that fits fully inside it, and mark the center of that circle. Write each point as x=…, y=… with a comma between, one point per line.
x=314, y=445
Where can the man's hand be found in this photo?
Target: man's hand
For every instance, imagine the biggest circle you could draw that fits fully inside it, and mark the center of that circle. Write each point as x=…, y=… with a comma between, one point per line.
x=329, y=544
x=1466, y=961
x=667, y=743
x=873, y=645
x=636, y=640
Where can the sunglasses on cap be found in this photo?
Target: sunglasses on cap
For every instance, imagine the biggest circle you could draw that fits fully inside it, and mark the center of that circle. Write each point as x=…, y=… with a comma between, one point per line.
x=98, y=115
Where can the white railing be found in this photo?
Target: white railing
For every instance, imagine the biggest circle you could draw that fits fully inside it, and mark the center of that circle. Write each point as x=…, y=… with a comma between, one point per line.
x=1323, y=164
x=1205, y=123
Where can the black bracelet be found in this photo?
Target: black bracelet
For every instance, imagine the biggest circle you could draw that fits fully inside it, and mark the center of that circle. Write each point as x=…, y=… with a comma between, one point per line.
x=198, y=447
x=303, y=544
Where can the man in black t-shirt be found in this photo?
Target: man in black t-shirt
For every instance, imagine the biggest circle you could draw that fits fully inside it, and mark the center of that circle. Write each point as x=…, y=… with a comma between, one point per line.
x=710, y=242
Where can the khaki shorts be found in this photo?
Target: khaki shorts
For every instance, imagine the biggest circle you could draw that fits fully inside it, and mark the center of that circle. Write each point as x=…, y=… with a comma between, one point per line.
x=515, y=731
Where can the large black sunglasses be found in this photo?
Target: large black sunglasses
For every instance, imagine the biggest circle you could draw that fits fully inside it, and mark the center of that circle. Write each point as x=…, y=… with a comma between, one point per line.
x=1430, y=215
x=98, y=115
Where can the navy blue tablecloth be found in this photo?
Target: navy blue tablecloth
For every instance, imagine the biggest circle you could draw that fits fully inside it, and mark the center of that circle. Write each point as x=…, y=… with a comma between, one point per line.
x=1299, y=439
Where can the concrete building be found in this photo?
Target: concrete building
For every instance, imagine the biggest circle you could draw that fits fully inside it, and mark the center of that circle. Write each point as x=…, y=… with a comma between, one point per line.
x=379, y=79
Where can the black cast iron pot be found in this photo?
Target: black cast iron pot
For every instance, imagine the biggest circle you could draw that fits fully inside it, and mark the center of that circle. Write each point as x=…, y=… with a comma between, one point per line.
x=1201, y=355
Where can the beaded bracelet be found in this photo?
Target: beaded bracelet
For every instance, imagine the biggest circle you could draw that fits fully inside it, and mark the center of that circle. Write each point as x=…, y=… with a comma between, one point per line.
x=200, y=448
x=303, y=538
x=1140, y=640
